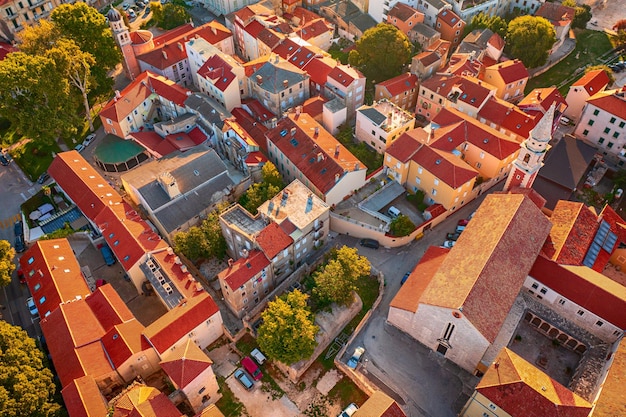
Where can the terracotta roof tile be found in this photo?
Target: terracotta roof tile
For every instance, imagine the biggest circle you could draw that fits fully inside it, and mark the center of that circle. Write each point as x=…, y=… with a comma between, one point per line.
x=612, y=102
x=555, y=12
x=584, y=286
x=314, y=29
x=472, y=91
x=508, y=116
x=156, y=404
x=409, y=294
x=319, y=68
x=510, y=71
x=272, y=240
x=403, y=12
x=405, y=146
x=82, y=398
x=218, y=71
x=185, y=364
x=428, y=58
x=449, y=18
x=108, y=307
x=314, y=106
x=593, y=81
x=379, y=404
x=464, y=64
x=447, y=167
x=178, y=322
x=612, y=398
x=401, y=83
x=244, y=269
x=254, y=28
x=504, y=237
x=542, y=99
x=303, y=150
x=521, y=389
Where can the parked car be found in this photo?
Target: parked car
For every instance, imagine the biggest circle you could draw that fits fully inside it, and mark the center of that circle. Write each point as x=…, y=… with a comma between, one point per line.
x=449, y=244
x=251, y=368
x=30, y=303
x=405, y=277
x=100, y=282
x=18, y=228
x=90, y=138
x=79, y=148
x=564, y=120
x=453, y=236
x=356, y=357
x=125, y=6
x=132, y=14
x=258, y=356
x=43, y=178
x=107, y=254
x=463, y=222
x=19, y=244
x=20, y=276
x=4, y=160
x=349, y=410
x=244, y=379
x=148, y=10
x=369, y=243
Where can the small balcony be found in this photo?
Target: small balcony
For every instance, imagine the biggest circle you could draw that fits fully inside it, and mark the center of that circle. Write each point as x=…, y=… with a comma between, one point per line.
x=318, y=226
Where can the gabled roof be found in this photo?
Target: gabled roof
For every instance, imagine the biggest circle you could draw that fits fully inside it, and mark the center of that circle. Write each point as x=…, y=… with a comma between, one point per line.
x=218, y=71
x=314, y=29
x=401, y=83
x=402, y=12
x=449, y=18
x=314, y=106
x=508, y=116
x=541, y=99
x=272, y=240
x=593, y=81
x=556, y=13
x=210, y=411
x=611, y=101
x=521, y=389
x=145, y=85
x=405, y=146
x=504, y=237
x=259, y=112
x=82, y=398
x=409, y=294
x=464, y=64
x=468, y=89
x=456, y=128
x=250, y=125
x=244, y=269
x=108, y=307
x=294, y=136
x=55, y=273
x=379, y=404
x=445, y=166
x=254, y=28
x=589, y=289
x=345, y=75
x=82, y=183
x=277, y=75
x=185, y=364
x=428, y=58
x=142, y=401
x=164, y=57
x=510, y=71
x=319, y=68
x=180, y=321
x=269, y=37
x=612, y=397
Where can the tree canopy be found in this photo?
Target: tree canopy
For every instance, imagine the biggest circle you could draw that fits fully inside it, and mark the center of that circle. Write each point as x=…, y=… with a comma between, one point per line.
x=529, y=39
x=381, y=53
x=260, y=192
x=483, y=21
x=288, y=330
x=401, y=226
x=169, y=15
x=582, y=16
x=6, y=262
x=337, y=279
x=26, y=385
x=204, y=241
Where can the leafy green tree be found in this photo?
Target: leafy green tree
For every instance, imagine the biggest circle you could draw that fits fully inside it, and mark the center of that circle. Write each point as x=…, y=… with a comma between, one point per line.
x=582, y=16
x=483, y=21
x=271, y=176
x=529, y=39
x=191, y=243
x=157, y=11
x=169, y=15
x=214, y=240
x=619, y=39
x=401, y=226
x=382, y=53
x=569, y=3
x=260, y=192
x=36, y=97
x=204, y=241
x=288, y=330
x=336, y=281
x=88, y=28
x=26, y=385
x=6, y=262
x=604, y=68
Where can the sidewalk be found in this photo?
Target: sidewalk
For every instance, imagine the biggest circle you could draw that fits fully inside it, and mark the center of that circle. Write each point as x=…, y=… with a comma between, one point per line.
x=564, y=50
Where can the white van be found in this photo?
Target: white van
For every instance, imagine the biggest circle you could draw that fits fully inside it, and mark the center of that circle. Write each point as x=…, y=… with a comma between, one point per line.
x=258, y=356
x=393, y=212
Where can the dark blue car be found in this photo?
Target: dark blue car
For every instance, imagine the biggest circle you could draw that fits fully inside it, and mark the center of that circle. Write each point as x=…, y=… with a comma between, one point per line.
x=107, y=254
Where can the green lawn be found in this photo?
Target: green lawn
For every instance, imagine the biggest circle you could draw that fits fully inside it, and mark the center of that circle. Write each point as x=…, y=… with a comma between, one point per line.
x=590, y=45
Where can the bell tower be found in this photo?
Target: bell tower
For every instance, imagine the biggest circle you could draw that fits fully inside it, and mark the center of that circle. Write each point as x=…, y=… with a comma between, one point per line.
x=122, y=37
x=532, y=152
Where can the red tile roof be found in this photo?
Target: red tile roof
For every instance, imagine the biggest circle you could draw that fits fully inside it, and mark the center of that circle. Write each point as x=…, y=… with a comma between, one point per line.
x=127, y=234
x=269, y=37
x=301, y=147
x=508, y=116
x=314, y=29
x=272, y=240
x=218, y=71
x=253, y=66
x=442, y=46
x=165, y=56
x=404, y=147
x=496, y=41
x=541, y=99
x=82, y=398
x=173, y=268
x=139, y=90
x=180, y=321
x=254, y=28
x=318, y=69
x=213, y=32
x=341, y=76
x=612, y=396
x=428, y=58
x=153, y=142
x=464, y=128
x=556, y=13
x=56, y=275
x=314, y=106
x=82, y=183
x=255, y=159
x=449, y=18
x=259, y=112
x=184, y=365
x=255, y=130
x=244, y=269
x=464, y=64
x=173, y=34
x=144, y=401
x=400, y=84
x=108, y=307
x=123, y=341
x=613, y=102
x=521, y=389
x=472, y=91
x=593, y=81
x=403, y=12
x=573, y=230
x=511, y=71
x=447, y=167
x=5, y=49
x=589, y=289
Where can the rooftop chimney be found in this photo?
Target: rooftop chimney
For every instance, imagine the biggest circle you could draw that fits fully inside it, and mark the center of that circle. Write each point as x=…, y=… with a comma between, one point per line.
x=164, y=54
x=259, y=79
x=230, y=262
x=317, y=131
x=180, y=46
x=336, y=151
x=214, y=30
x=285, y=83
x=293, y=131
